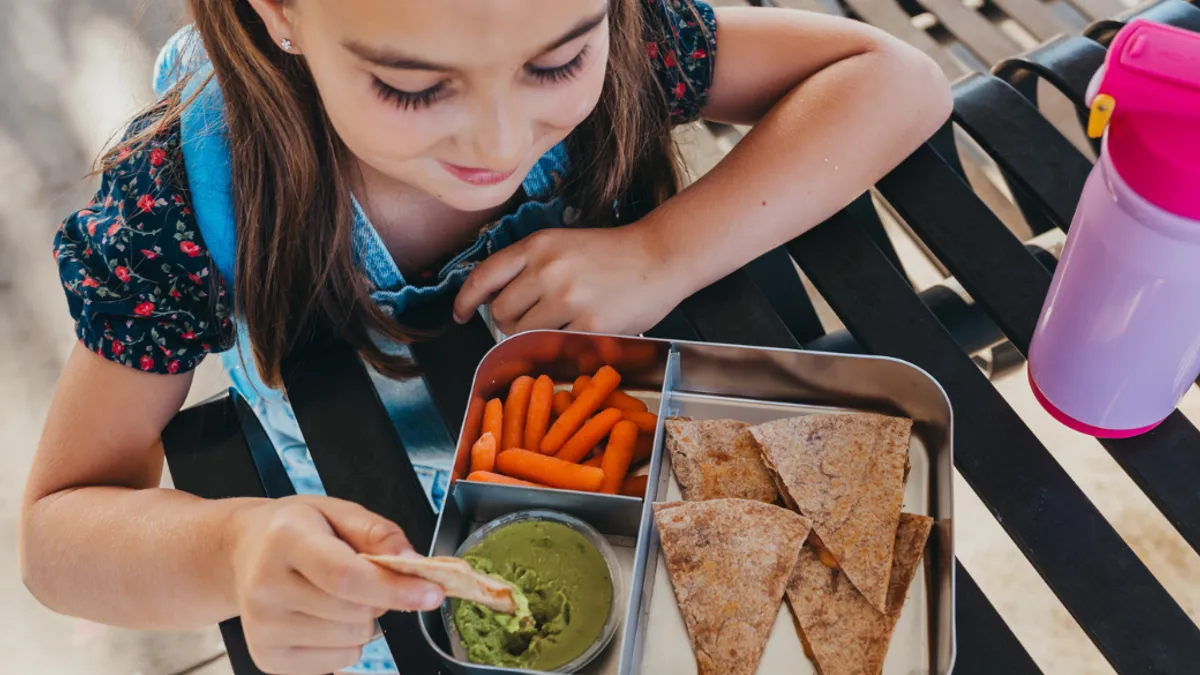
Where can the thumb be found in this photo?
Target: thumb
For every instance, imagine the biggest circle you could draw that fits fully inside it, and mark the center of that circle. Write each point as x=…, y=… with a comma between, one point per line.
x=364, y=531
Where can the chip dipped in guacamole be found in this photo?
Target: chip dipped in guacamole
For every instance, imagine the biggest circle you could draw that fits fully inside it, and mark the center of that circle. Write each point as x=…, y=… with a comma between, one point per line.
x=567, y=596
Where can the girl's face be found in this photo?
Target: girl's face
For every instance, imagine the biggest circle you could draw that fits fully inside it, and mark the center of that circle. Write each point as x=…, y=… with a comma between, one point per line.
x=457, y=98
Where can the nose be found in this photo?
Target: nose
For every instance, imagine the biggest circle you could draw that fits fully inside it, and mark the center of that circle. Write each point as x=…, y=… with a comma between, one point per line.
x=500, y=133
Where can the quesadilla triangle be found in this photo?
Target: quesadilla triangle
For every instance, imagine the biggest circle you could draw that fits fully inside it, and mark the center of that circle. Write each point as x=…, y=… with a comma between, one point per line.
x=456, y=577
x=846, y=474
x=717, y=459
x=842, y=633
x=729, y=561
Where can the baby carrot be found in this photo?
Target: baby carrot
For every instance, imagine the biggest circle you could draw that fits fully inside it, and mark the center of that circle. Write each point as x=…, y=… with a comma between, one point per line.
x=625, y=403
x=539, y=412
x=489, y=477
x=618, y=455
x=645, y=421
x=604, y=383
x=549, y=471
x=483, y=453
x=581, y=383
x=635, y=486
x=493, y=418
x=471, y=433
x=595, y=461
x=562, y=401
x=644, y=448
x=516, y=407
x=578, y=446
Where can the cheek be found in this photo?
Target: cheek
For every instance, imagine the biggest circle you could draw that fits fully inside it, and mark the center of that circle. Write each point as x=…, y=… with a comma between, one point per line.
x=574, y=103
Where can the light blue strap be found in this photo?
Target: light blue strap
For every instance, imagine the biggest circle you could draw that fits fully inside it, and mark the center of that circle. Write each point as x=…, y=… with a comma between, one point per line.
x=205, y=141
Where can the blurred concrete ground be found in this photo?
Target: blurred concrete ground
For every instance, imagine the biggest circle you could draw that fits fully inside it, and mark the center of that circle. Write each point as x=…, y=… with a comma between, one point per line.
x=71, y=74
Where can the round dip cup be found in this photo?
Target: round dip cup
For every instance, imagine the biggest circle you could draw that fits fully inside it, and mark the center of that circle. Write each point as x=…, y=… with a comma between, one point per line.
x=592, y=536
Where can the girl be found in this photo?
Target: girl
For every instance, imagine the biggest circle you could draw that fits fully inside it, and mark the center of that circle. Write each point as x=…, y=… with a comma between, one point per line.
x=318, y=166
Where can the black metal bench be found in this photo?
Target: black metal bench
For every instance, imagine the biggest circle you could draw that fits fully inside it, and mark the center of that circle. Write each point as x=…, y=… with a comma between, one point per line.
x=218, y=450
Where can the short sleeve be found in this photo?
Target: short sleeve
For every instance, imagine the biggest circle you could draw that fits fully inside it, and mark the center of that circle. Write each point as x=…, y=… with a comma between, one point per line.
x=139, y=281
x=682, y=45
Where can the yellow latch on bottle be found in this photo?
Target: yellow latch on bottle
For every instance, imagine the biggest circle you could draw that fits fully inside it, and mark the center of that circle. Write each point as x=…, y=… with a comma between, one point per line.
x=1102, y=110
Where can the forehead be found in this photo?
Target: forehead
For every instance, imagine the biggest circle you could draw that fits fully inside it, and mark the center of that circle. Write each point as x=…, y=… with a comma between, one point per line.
x=457, y=31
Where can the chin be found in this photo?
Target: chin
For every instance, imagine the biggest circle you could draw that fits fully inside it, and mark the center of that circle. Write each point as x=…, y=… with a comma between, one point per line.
x=465, y=197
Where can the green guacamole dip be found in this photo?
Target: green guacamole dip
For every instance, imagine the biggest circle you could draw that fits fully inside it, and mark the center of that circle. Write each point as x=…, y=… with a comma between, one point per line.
x=566, y=586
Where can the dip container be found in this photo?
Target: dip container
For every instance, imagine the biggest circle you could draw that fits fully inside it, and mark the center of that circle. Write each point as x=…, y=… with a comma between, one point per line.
x=592, y=536
x=713, y=381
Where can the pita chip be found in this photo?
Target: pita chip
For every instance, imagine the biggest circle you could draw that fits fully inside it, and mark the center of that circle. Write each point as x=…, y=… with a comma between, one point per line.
x=842, y=633
x=717, y=459
x=729, y=561
x=846, y=474
x=456, y=577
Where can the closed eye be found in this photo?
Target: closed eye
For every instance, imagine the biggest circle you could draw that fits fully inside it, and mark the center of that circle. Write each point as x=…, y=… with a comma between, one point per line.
x=409, y=100
x=561, y=73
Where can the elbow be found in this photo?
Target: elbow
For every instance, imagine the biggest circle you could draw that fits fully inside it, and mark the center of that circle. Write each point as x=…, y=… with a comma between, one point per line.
x=923, y=86
x=36, y=567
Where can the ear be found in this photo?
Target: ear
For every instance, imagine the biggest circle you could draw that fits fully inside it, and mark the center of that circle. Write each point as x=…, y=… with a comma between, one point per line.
x=278, y=20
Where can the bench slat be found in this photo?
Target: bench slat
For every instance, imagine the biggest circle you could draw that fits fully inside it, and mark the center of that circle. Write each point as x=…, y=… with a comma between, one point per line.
x=975, y=32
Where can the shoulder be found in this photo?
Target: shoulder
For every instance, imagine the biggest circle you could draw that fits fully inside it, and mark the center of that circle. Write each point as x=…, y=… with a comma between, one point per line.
x=138, y=278
x=681, y=42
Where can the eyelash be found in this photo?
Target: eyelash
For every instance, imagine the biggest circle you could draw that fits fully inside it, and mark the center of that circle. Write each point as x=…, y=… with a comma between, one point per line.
x=406, y=100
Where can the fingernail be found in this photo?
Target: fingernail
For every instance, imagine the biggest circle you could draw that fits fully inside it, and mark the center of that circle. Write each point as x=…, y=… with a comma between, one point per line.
x=433, y=600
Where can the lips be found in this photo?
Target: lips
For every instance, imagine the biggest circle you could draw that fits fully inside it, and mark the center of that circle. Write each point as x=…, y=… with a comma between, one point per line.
x=475, y=176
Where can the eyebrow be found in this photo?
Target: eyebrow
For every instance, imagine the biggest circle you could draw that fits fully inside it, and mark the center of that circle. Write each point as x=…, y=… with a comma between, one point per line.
x=396, y=60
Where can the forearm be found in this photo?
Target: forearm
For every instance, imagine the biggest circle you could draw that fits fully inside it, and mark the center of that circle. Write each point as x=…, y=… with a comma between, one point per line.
x=152, y=559
x=822, y=145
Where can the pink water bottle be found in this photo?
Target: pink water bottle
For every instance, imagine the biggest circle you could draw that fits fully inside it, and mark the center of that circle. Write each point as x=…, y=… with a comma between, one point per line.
x=1118, y=341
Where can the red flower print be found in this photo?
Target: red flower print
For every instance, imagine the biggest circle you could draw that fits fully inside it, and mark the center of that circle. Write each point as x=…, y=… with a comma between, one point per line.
x=190, y=335
x=124, y=154
x=157, y=156
x=90, y=282
x=195, y=278
x=108, y=202
x=144, y=309
x=146, y=203
x=56, y=255
x=680, y=90
x=91, y=228
x=118, y=347
x=178, y=199
x=113, y=229
x=186, y=211
x=150, y=255
x=699, y=53
x=190, y=247
x=146, y=363
x=122, y=273
x=173, y=367
x=175, y=294
x=652, y=49
x=669, y=59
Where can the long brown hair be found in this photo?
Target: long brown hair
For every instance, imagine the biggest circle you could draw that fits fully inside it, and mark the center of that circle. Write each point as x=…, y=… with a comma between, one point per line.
x=296, y=272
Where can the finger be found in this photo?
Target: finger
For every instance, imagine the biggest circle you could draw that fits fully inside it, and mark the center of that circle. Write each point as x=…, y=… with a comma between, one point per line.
x=294, y=628
x=305, y=660
x=364, y=531
x=487, y=279
x=515, y=300
x=346, y=576
x=545, y=315
x=306, y=599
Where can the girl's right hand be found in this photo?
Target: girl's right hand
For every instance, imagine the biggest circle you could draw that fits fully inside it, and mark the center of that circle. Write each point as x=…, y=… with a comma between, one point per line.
x=307, y=600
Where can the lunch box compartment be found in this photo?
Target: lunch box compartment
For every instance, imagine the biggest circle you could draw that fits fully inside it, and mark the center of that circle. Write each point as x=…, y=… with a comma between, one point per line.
x=707, y=381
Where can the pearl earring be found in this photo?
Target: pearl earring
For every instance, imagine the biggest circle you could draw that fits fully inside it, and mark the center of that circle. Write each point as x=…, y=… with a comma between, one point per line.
x=286, y=44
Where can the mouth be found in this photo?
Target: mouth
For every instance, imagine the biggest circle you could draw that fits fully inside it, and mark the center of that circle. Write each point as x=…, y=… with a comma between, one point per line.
x=475, y=176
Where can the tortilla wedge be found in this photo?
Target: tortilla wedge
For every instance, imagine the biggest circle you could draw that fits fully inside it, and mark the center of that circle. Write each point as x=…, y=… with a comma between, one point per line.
x=842, y=633
x=717, y=459
x=846, y=474
x=456, y=577
x=729, y=561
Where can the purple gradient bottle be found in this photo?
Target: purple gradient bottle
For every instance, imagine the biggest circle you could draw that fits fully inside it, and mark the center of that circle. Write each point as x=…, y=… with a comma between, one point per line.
x=1118, y=341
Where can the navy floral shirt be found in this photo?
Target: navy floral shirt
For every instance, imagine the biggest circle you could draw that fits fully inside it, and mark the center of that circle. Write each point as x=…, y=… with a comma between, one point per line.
x=140, y=282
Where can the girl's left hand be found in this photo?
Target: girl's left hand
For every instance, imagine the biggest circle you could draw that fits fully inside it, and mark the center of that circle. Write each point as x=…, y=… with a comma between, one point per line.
x=596, y=281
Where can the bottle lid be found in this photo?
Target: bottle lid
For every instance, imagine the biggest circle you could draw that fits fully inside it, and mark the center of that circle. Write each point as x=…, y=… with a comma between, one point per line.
x=1147, y=99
